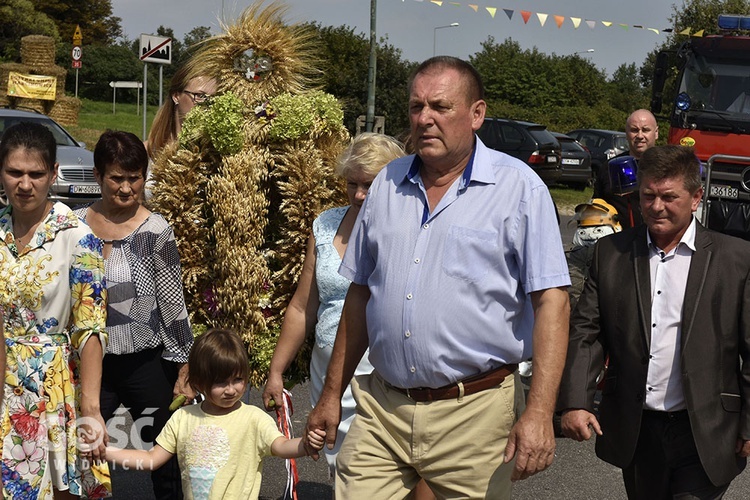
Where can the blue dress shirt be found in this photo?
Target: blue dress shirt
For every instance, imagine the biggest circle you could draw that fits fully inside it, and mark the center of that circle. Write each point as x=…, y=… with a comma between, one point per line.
x=449, y=288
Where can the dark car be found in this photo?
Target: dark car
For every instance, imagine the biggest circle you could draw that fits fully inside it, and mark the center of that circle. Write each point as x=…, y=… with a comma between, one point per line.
x=575, y=163
x=529, y=142
x=602, y=144
x=75, y=182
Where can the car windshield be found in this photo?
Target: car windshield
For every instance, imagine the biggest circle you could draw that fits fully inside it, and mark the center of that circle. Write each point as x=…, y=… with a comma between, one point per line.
x=61, y=137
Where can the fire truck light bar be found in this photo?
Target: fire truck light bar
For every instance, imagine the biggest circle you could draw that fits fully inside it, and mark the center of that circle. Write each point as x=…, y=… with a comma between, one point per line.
x=734, y=22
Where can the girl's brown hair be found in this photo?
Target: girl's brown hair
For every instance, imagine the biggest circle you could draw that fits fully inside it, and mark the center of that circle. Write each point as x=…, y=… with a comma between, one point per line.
x=216, y=356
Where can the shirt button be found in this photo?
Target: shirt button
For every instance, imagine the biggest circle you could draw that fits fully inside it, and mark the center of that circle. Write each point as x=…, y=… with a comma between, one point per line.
x=416, y=261
x=407, y=334
x=653, y=325
x=412, y=369
x=408, y=296
x=425, y=226
x=658, y=293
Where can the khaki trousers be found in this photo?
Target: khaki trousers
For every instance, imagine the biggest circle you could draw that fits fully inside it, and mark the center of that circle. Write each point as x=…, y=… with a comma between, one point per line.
x=456, y=445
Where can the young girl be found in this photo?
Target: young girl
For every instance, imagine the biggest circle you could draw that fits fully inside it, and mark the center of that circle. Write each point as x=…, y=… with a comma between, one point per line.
x=219, y=443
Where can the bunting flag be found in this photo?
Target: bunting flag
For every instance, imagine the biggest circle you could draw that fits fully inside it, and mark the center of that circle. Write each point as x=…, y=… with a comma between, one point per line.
x=698, y=33
x=560, y=20
x=686, y=31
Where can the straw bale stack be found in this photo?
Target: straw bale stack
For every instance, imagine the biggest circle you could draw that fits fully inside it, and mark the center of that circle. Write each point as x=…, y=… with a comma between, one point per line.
x=38, y=50
x=5, y=70
x=65, y=110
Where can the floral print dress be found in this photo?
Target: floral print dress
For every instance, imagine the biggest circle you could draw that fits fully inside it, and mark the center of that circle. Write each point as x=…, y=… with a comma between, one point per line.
x=53, y=297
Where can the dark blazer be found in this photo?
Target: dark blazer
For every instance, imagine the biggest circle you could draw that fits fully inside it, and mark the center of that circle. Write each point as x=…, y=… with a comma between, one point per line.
x=613, y=317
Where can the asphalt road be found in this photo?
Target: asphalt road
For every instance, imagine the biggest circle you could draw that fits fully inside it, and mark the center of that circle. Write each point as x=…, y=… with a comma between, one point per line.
x=576, y=473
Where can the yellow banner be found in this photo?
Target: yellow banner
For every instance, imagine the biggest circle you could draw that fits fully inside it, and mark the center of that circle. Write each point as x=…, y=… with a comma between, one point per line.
x=32, y=86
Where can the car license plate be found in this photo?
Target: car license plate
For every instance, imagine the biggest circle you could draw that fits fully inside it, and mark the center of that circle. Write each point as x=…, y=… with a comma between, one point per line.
x=552, y=159
x=719, y=191
x=570, y=161
x=90, y=189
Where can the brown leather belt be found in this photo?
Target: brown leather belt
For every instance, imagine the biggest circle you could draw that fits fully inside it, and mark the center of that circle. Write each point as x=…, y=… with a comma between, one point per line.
x=471, y=385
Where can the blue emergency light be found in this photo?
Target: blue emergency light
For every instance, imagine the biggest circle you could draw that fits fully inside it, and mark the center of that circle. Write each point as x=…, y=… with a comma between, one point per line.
x=734, y=22
x=622, y=174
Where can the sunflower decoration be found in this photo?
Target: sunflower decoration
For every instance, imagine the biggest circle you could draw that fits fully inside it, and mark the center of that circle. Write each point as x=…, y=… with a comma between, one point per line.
x=252, y=169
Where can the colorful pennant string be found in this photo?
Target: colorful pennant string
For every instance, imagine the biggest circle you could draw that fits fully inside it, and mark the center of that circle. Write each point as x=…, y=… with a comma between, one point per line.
x=560, y=20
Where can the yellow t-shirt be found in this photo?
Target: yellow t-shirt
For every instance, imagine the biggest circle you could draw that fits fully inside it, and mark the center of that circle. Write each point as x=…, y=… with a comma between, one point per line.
x=220, y=456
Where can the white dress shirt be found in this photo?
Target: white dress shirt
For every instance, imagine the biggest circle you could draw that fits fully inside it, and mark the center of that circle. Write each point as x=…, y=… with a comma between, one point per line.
x=669, y=273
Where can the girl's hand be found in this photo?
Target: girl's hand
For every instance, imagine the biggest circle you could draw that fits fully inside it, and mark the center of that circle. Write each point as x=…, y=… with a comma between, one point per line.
x=316, y=438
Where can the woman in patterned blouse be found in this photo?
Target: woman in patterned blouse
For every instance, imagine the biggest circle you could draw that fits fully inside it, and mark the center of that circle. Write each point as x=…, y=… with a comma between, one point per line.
x=147, y=321
x=53, y=300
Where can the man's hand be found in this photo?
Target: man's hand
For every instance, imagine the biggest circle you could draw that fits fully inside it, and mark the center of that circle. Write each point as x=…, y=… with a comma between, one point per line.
x=181, y=385
x=578, y=425
x=325, y=417
x=742, y=448
x=273, y=391
x=532, y=443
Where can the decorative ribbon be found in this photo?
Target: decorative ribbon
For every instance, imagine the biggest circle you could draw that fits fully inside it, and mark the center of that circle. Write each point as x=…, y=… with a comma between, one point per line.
x=284, y=414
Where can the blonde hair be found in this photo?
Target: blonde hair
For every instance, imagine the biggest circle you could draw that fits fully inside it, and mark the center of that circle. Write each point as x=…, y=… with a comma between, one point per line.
x=164, y=128
x=368, y=153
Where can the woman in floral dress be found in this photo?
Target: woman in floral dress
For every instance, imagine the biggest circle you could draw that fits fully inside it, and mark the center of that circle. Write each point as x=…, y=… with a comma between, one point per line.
x=53, y=299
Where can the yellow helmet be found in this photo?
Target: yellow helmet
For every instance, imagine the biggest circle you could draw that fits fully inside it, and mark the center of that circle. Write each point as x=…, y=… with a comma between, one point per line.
x=597, y=212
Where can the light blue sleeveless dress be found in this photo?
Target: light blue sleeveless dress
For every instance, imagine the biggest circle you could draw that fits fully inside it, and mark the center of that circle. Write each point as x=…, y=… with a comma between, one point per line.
x=332, y=288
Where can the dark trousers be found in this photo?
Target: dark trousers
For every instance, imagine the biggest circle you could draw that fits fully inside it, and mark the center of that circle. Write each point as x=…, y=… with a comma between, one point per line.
x=142, y=382
x=666, y=464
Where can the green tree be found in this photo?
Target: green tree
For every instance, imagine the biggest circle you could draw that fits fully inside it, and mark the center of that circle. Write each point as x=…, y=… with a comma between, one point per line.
x=95, y=18
x=103, y=64
x=562, y=92
x=19, y=18
x=626, y=92
x=344, y=65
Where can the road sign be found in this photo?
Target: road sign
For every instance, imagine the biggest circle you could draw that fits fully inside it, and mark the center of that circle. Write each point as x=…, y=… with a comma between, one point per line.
x=77, y=36
x=76, y=64
x=125, y=85
x=76, y=53
x=156, y=49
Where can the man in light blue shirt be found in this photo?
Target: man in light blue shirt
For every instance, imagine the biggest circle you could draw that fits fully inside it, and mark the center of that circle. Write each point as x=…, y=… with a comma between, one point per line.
x=458, y=274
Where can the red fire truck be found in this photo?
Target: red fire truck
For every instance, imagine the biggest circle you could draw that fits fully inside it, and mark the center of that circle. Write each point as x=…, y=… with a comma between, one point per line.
x=711, y=113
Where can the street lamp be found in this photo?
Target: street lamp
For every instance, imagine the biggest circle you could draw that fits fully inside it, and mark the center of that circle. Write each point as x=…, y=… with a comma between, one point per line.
x=434, y=35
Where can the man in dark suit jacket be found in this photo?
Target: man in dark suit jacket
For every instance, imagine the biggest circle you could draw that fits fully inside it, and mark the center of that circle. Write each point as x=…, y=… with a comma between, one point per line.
x=669, y=304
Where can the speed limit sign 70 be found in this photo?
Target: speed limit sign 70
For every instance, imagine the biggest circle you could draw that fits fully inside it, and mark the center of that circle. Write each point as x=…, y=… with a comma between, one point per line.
x=76, y=53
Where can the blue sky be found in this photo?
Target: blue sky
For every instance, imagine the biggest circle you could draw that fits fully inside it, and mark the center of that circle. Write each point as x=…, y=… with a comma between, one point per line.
x=410, y=24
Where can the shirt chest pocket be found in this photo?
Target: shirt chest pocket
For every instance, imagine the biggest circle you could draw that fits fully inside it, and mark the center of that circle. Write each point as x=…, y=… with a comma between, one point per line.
x=469, y=254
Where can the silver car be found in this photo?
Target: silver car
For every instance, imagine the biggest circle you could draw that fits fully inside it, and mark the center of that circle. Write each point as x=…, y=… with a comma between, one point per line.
x=75, y=182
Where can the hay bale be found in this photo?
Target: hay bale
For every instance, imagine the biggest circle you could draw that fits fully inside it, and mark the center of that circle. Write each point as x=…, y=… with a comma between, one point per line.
x=39, y=105
x=5, y=70
x=65, y=111
x=38, y=50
